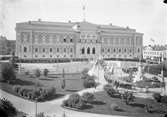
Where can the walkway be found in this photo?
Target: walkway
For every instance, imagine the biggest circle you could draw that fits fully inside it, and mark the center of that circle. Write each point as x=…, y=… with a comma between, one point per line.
x=52, y=108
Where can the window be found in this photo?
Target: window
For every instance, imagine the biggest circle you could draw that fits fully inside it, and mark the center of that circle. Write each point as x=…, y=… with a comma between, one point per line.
x=57, y=49
x=138, y=50
x=93, y=51
x=25, y=49
x=36, y=49
x=114, y=50
x=71, y=40
x=130, y=50
x=102, y=50
x=64, y=49
x=124, y=50
x=83, y=50
x=119, y=50
x=64, y=40
x=43, y=49
x=51, y=50
x=71, y=50
x=109, y=50
x=88, y=50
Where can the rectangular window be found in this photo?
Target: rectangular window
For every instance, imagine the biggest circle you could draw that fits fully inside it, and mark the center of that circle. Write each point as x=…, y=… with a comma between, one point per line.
x=25, y=49
x=36, y=49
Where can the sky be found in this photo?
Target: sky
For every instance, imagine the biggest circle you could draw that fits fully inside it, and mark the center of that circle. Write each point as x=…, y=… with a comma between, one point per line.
x=146, y=16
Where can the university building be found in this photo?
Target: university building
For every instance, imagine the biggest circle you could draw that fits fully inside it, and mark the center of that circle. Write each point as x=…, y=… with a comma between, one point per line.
x=52, y=40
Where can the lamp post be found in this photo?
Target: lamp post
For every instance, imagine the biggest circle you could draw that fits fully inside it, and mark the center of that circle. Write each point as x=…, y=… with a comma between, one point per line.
x=37, y=74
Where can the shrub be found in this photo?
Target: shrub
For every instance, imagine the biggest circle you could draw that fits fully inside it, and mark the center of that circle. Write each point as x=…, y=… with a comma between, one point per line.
x=45, y=72
x=157, y=97
x=115, y=107
x=41, y=94
x=85, y=71
x=7, y=107
x=128, y=97
x=88, y=97
x=89, y=82
x=110, y=90
x=27, y=73
x=7, y=72
x=164, y=99
x=16, y=88
x=41, y=114
x=37, y=73
x=74, y=101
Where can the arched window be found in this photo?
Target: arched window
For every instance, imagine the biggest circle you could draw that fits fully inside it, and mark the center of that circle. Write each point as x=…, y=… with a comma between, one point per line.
x=93, y=51
x=88, y=50
x=83, y=50
x=108, y=50
x=43, y=49
x=57, y=49
x=119, y=50
x=114, y=50
x=25, y=49
x=50, y=49
x=64, y=40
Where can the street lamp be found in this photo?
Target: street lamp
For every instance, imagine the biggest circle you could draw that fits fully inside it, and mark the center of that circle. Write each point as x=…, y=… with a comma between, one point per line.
x=37, y=74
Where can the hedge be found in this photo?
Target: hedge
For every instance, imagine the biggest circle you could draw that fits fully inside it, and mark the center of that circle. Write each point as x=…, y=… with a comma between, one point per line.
x=41, y=93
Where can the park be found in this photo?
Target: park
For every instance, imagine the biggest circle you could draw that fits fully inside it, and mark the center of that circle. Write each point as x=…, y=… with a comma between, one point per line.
x=93, y=87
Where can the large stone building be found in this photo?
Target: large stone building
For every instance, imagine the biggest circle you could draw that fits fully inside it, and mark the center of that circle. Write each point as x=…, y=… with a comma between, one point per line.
x=50, y=40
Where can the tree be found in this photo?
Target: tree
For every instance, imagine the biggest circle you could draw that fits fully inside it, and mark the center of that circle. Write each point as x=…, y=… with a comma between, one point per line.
x=37, y=73
x=89, y=82
x=63, y=82
x=45, y=72
x=8, y=72
x=7, y=107
x=128, y=97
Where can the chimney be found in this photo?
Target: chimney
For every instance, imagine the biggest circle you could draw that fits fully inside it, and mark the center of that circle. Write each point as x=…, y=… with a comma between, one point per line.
x=29, y=22
x=69, y=21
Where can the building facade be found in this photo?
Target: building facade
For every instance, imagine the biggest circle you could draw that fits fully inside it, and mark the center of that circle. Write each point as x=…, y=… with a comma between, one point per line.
x=50, y=40
x=155, y=52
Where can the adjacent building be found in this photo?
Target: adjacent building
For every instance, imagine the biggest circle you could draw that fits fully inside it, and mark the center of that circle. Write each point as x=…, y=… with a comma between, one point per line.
x=155, y=52
x=50, y=40
x=7, y=47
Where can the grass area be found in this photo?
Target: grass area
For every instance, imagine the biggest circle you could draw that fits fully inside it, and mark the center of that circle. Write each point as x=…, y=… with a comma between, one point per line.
x=135, y=109
x=73, y=83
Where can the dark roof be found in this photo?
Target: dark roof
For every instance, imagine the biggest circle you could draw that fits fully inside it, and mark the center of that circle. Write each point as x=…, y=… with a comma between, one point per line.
x=158, y=47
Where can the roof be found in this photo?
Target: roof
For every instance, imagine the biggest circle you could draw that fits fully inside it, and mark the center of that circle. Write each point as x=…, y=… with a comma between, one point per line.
x=156, y=47
x=84, y=25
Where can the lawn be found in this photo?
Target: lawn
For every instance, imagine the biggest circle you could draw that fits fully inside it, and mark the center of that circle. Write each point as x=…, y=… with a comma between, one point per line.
x=73, y=83
x=135, y=109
